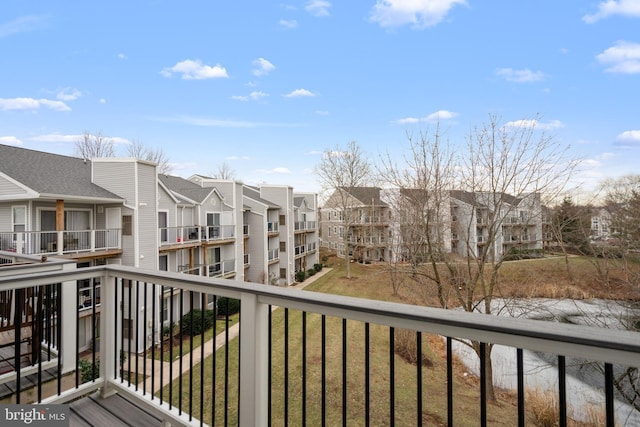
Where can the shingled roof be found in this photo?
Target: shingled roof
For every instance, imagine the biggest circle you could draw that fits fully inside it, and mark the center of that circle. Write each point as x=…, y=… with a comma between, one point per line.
x=51, y=174
x=366, y=195
x=186, y=188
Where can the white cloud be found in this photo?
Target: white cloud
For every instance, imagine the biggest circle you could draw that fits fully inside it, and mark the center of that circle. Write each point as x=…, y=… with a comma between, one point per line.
x=68, y=94
x=532, y=123
x=263, y=67
x=315, y=153
x=612, y=7
x=288, y=23
x=629, y=138
x=322, y=112
x=520, y=76
x=255, y=95
x=56, y=137
x=278, y=170
x=122, y=56
x=419, y=13
x=10, y=140
x=431, y=118
x=237, y=158
x=298, y=93
x=20, y=25
x=195, y=70
x=623, y=57
x=318, y=7
x=7, y=104
x=102, y=101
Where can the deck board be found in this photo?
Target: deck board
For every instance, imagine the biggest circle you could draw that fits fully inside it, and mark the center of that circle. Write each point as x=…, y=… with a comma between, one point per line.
x=116, y=410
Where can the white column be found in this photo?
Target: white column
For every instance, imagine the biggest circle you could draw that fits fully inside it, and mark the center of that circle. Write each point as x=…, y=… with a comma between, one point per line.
x=68, y=316
x=254, y=361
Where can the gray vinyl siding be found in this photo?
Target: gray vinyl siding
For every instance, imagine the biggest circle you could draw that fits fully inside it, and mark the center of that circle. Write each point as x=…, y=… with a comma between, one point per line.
x=9, y=188
x=128, y=254
x=147, y=216
x=167, y=204
x=117, y=177
x=5, y=217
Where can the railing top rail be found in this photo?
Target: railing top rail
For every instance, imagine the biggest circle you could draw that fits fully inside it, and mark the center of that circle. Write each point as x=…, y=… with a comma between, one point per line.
x=613, y=346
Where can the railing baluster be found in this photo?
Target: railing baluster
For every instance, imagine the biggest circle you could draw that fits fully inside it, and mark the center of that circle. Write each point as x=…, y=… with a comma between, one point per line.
x=419, y=377
x=520, y=368
x=144, y=337
x=190, y=355
x=59, y=334
x=304, y=368
x=77, y=296
x=181, y=311
x=609, y=397
x=483, y=384
x=153, y=341
x=344, y=372
x=367, y=380
x=94, y=320
x=226, y=363
x=137, y=334
x=171, y=326
x=392, y=376
x=449, y=383
x=562, y=391
x=118, y=365
x=286, y=367
x=40, y=325
x=203, y=305
x=323, y=358
x=17, y=325
x=213, y=362
x=270, y=368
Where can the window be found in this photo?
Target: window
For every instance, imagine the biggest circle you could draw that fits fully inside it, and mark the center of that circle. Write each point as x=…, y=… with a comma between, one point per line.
x=127, y=225
x=163, y=263
x=329, y=235
x=282, y=218
x=283, y=273
x=19, y=218
x=283, y=246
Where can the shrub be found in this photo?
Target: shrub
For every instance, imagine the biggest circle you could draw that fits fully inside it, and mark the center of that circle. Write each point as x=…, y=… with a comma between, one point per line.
x=317, y=267
x=228, y=306
x=406, y=346
x=87, y=371
x=300, y=276
x=191, y=323
x=311, y=272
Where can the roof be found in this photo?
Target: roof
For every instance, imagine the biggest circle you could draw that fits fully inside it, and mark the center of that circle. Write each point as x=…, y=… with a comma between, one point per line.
x=366, y=195
x=474, y=199
x=254, y=193
x=185, y=188
x=51, y=174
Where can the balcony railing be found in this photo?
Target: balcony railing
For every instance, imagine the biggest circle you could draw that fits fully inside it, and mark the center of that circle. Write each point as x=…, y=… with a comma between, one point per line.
x=222, y=268
x=273, y=227
x=245, y=229
x=324, y=371
x=60, y=242
x=194, y=234
x=304, y=225
x=273, y=254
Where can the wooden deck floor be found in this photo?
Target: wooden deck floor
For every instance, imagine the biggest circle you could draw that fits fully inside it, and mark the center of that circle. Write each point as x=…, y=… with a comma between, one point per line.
x=114, y=411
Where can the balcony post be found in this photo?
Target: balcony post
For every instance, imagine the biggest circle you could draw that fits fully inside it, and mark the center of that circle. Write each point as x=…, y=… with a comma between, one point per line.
x=254, y=361
x=92, y=240
x=109, y=345
x=68, y=317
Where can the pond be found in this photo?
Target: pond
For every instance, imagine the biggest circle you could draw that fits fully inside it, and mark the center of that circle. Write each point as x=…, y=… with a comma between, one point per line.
x=585, y=380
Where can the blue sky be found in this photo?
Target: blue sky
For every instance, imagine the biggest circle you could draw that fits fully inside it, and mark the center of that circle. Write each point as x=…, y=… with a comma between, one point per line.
x=266, y=86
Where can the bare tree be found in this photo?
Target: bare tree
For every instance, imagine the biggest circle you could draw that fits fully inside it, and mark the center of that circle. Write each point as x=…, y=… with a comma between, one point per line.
x=340, y=171
x=468, y=213
x=224, y=171
x=93, y=146
x=156, y=155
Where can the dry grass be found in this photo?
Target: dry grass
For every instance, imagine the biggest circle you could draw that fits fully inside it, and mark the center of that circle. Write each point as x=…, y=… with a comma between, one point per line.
x=543, y=406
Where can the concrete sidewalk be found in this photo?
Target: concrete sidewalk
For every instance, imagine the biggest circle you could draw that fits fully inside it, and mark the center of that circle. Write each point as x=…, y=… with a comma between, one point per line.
x=207, y=349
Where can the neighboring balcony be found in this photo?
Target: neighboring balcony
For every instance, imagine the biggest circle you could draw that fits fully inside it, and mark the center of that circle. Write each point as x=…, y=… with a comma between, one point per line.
x=299, y=356
x=193, y=235
x=273, y=256
x=273, y=228
x=304, y=226
x=60, y=242
x=371, y=220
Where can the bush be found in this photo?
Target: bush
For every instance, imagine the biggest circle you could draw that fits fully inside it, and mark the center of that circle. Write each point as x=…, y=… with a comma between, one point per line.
x=194, y=319
x=317, y=267
x=311, y=272
x=406, y=346
x=87, y=372
x=228, y=306
x=300, y=276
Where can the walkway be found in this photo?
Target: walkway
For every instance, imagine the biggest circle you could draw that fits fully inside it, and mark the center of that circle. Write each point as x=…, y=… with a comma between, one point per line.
x=197, y=353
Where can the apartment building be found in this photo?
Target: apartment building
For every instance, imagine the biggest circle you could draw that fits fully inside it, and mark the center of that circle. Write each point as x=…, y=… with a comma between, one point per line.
x=390, y=224
x=120, y=211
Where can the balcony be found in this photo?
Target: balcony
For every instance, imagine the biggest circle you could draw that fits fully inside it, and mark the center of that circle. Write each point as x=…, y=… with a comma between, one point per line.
x=60, y=242
x=304, y=226
x=370, y=220
x=273, y=255
x=193, y=235
x=273, y=228
x=317, y=337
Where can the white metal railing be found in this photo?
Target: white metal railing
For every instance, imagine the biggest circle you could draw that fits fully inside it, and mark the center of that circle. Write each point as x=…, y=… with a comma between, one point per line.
x=60, y=242
x=304, y=225
x=273, y=254
x=247, y=259
x=613, y=347
x=273, y=227
x=299, y=250
x=222, y=268
x=311, y=246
